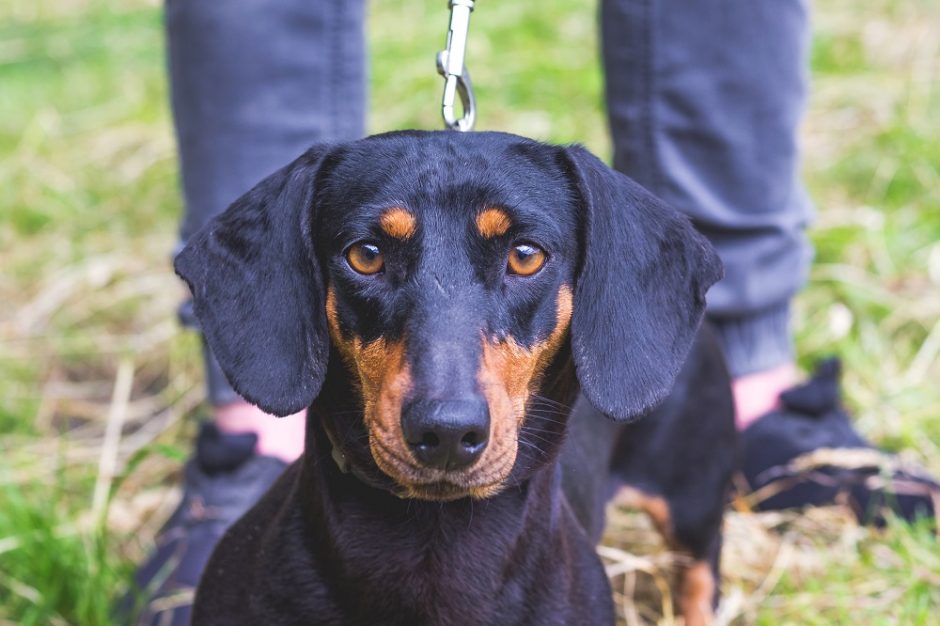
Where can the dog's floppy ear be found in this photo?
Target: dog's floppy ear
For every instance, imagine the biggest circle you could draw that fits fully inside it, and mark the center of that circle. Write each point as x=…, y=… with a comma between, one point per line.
x=258, y=292
x=640, y=292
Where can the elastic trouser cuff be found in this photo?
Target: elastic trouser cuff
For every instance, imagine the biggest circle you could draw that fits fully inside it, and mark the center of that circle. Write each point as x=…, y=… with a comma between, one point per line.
x=757, y=342
x=218, y=390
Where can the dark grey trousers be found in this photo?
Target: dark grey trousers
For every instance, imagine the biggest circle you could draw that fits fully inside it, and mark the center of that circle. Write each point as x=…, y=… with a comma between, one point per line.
x=704, y=99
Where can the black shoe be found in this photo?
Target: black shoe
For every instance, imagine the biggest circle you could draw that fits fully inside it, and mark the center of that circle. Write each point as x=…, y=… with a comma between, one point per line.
x=807, y=453
x=222, y=481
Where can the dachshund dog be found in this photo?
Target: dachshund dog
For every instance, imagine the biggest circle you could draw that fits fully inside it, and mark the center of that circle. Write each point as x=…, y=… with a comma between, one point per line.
x=474, y=322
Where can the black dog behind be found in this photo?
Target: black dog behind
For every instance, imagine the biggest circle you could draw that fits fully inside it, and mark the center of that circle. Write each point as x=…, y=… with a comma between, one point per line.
x=438, y=300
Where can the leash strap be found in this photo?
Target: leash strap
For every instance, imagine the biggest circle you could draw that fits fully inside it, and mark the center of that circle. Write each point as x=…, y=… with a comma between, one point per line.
x=450, y=65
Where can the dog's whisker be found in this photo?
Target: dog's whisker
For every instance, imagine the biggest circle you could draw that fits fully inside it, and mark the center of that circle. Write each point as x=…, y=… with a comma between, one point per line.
x=533, y=429
x=540, y=438
x=545, y=400
x=554, y=416
x=548, y=407
x=530, y=444
x=547, y=417
x=549, y=437
x=546, y=425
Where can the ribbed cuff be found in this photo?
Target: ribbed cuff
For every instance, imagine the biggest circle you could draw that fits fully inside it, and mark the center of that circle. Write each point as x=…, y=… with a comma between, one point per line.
x=758, y=342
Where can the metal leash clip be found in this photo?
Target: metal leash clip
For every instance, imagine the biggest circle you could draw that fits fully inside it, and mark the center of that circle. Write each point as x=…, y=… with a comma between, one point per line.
x=450, y=65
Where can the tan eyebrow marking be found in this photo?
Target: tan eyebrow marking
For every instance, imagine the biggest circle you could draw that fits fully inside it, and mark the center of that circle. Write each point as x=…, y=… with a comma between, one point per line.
x=398, y=223
x=493, y=222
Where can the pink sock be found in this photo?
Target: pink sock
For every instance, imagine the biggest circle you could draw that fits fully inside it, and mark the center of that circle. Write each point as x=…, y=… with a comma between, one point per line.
x=759, y=393
x=280, y=437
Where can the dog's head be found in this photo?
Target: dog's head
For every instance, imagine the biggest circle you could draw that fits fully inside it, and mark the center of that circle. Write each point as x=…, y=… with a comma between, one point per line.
x=445, y=274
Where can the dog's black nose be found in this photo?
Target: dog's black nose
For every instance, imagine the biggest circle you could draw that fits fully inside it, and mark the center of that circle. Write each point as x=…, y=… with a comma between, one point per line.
x=446, y=435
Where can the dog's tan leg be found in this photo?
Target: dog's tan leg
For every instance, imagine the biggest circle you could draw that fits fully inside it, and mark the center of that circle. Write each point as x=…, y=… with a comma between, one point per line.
x=696, y=589
x=696, y=581
x=655, y=507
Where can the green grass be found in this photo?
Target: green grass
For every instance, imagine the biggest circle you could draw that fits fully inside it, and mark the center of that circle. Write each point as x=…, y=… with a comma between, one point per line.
x=54, y=573
x=88, y=219
x=903, y=592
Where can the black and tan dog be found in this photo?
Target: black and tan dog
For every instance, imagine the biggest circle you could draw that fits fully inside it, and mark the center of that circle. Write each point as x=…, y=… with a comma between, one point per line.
x=438, y=300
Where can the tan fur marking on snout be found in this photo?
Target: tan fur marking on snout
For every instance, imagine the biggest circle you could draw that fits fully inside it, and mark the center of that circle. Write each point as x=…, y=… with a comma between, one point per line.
x=493, y=223
x=509, y=372
x=384, y=378
x=381, y=370
x=398, y=223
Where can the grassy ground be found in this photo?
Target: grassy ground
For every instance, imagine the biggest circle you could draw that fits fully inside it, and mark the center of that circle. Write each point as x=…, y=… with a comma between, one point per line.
x=96, y=379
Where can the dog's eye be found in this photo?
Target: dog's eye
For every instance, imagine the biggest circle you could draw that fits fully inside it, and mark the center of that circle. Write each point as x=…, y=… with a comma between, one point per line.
x=525, y=259
x=365, y=258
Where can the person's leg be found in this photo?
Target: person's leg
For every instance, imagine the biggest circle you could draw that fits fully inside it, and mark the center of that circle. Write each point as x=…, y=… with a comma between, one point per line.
x=704, y=102
x=253, y=84
x=704, y=99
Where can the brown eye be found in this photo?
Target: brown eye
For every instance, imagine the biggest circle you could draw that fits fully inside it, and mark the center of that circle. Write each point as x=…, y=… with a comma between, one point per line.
x=526, y=259
x=365, y=258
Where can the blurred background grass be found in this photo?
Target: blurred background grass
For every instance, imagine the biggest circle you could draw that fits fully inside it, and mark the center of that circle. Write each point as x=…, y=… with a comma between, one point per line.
x=88, y=338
